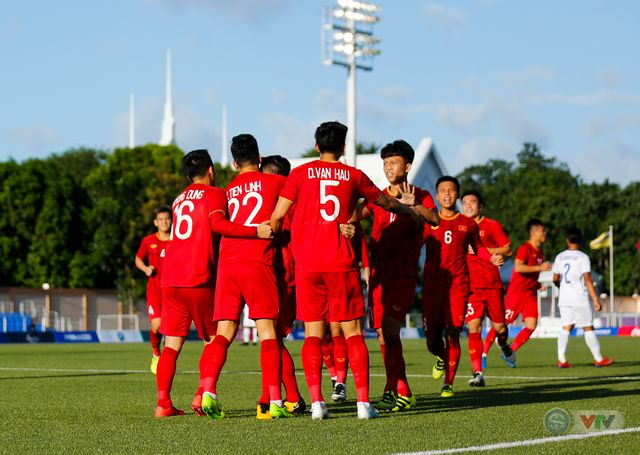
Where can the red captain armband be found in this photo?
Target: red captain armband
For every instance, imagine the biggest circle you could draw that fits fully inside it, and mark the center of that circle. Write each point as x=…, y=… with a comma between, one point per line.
x=221, y=225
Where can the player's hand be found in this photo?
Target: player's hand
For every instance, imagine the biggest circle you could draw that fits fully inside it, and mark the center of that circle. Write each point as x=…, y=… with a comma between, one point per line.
x=545, y=266
x=471, y=250
x=542, y=287
x=497, y=259
x=597, y=305
x=407, y=194
x=367, y=275
x=150, y=270
x=348, y=230
x=264, y=230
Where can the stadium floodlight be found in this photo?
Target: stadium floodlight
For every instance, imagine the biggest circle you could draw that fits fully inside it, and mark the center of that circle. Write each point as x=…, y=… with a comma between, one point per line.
x=347, y=40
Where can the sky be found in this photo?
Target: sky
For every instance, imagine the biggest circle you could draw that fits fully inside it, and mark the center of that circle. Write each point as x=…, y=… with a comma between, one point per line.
x=479, y=77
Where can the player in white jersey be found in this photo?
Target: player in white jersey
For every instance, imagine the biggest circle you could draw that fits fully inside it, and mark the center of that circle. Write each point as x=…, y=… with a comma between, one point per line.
x=572, y=274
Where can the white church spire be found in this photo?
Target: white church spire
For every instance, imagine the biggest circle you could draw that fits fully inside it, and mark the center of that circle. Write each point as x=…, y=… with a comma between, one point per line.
x=169, y=122
x=224, y=154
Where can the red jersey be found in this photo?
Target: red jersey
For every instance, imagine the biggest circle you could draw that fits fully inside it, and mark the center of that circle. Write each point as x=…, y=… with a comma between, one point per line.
x=527, y=282
x=396, y=240
x=251, y=199
x=447, y=244
x=482, y=273
x=325, y=195
x=152, y=251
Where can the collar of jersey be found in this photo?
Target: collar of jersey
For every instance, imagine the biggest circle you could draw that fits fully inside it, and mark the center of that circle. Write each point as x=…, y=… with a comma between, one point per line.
x=449, y=217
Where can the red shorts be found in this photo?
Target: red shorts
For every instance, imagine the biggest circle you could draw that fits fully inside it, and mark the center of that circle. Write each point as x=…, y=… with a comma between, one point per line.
x=154, y=301
x=253, y=283
x=486, y=302
x=183, y=305
x=520, y=302
x=329, y=296
x=390, y=297
x=443, y=310
x=287, y=310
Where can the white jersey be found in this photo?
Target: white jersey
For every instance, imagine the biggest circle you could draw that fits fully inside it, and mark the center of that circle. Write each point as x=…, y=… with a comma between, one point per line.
x=571, y=265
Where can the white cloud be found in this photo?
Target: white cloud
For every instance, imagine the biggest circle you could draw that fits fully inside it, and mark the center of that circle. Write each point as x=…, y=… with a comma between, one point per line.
x=34, y=140
x=480, y=150
x=596, y=98
x=395, y=92
x=603, y=126
x=449, y=19
x=253, y=11
x=618, y=162
x=462, y=117
x=291, y=136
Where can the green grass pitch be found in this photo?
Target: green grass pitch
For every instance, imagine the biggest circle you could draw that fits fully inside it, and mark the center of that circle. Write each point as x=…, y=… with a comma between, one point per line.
x=59, y=398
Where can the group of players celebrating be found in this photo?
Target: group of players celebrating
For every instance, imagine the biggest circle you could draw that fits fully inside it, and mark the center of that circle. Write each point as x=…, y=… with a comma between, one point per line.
x=287, y=243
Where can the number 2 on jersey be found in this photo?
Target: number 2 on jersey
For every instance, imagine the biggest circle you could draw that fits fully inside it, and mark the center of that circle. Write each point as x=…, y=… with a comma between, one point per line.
x=567, y=267
x=326, y=198
x=234, y=205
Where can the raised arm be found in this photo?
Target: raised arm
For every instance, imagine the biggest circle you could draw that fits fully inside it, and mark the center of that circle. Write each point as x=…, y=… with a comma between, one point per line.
x=394, y=206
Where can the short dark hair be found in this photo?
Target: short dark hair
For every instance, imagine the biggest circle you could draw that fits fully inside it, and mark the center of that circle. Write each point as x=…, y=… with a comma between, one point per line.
x=244, y=150
x=448, y=178
x=398, y=148
x=161, y=209
x=275, y=164
x=534, y=222
x=574, y=235
x=475, y=193
x=196, y=163
x=331, y=137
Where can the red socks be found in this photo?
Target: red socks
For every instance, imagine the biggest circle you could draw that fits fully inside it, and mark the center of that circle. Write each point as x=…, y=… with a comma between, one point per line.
x=327, y=355
x=359, y=358
x=271, y=367
x=216, y=357
x=521, y=338
x=164, y=378
x=451, y=359
x=395, y=366
x=312, y=364
x=340, y=357
x=155, y=338
x=488, y=341
x=475, y=351
x=289, y=375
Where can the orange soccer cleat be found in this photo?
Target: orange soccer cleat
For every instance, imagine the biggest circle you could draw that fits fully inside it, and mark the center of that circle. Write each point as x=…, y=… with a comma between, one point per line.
x=605, y=362
x=168, y=412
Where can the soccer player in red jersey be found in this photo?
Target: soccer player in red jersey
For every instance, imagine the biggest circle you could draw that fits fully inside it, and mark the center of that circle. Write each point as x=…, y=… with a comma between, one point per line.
x=149, y=259
x=395, y=246
x=523, y=289
x=188, y=273
x=246, y=275
x=446, y=280
x=328, y=287
x=487, y=292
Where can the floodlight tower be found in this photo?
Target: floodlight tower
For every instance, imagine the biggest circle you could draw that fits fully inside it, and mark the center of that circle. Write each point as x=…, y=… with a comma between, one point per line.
x=347, y=40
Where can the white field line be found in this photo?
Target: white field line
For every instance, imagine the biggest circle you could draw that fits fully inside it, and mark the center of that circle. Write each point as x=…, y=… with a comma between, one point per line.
x=110, y=371
x=525, y=442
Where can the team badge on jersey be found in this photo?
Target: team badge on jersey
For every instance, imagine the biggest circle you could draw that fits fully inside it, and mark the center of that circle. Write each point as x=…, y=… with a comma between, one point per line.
x=153, y=245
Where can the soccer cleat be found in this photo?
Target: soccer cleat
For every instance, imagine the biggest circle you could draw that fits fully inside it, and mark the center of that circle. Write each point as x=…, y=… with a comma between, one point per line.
x=296, y=407
x=605, y=362
x=262, y=411
x=484, y=361
x=278, y=412
x=366, y=411
x=509, y=356
x=403, y=403
x=154, y=364
x=477, y=380
x=387, y=402
x=319, y=410
x=339, y=392
x=446, y=391
x=168, y=412
x=438, y=368
x=211, y=406
x=560, y=364
x=196, y=405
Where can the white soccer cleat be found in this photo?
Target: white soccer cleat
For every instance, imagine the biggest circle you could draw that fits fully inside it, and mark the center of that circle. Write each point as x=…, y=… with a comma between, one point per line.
x=319, y=410
x=366, y=411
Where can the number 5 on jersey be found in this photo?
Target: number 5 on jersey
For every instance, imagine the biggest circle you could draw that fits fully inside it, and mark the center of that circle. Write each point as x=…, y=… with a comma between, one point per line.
x=326, y=198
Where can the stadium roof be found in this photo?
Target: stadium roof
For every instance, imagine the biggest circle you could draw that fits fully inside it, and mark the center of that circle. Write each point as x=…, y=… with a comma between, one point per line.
x=427, y=166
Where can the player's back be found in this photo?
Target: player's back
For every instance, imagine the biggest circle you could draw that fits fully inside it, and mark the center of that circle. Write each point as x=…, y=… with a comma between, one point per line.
x=447, y=247
x=326, y=194
x=526, y=282
x=190, y=258
x=251, y=198
x=483, y=273
x=571, y=265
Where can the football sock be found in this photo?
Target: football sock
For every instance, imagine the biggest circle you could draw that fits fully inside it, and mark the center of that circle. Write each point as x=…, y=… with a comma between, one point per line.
x=312, y=365
x=592, y=342
x=271, y=365
x=205, y=366
x=246, y=335
x=218, y=357
x=452, y=359
x=164, y=377
x=563, y=341
x=391, y=356
x=289, y=375
x=488, y=341
x=340, y=358
x=502, y=337
x=522, y=338
x=155, y=338
x=475, y=351
x=327, y=356
x=359, y=358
